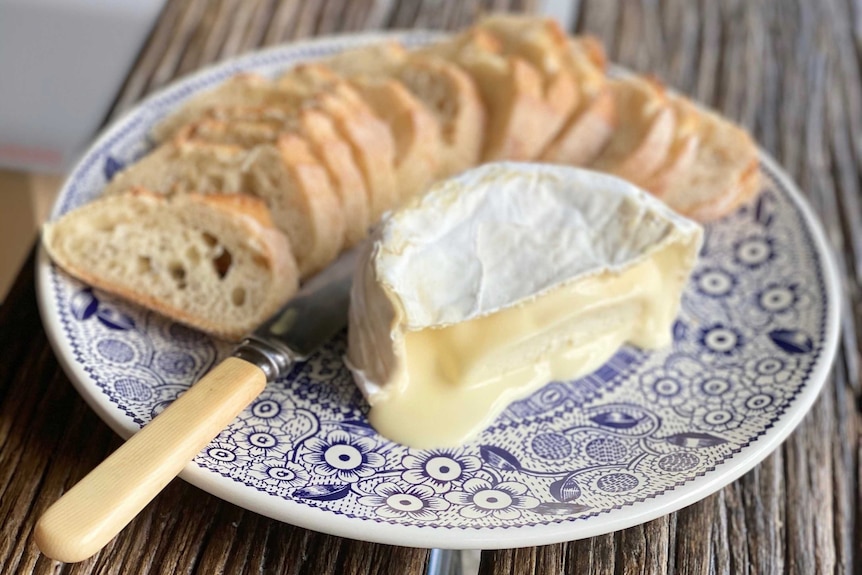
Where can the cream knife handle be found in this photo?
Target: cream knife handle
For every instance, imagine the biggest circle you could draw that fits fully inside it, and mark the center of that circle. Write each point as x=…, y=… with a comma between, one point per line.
x=90, y=514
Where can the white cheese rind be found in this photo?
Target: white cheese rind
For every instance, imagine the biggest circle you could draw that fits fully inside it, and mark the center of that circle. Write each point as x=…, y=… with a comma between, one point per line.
x=493, y=239
x=506, y=232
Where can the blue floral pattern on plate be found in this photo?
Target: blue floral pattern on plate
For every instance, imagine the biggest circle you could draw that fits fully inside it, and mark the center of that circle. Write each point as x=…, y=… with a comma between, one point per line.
x=757, y=318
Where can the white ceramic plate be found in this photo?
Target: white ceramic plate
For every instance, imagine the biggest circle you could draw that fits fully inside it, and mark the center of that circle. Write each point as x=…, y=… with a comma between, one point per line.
x=645, y=435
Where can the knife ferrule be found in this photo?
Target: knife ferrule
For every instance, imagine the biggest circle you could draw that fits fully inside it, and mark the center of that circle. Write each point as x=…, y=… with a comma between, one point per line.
x=273, y=359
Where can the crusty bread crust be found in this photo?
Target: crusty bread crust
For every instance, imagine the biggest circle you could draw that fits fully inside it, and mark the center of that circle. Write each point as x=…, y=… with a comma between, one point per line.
x=644, y=132
x=512, y=91
x=586, y=134
x=683, y=151
x=415, y=133
x=591, y=124
x=286, y=176
x=381, y=59
x=543, y=44
x=345, y=176
x=320, y=206
x=370, y=140
x=248, y=127
x=246, y=89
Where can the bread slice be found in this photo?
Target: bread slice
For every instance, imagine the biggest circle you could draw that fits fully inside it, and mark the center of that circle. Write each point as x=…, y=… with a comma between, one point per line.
x=249, y=127
x=287, y=177
x=245, y=89
x=373, y=71
x=591, y=124
x=303, y=87
x=683, y=150
x=544, y=44
x=452, y=97
x=369, y=138
x=446, y=91
x=380, y=59
x=327, y=144
x=314, y=210
x=511, y=90
x=184, y=167
x=644, y=133
x=213, y=262
x=245, y=131
x=415, y=133
x=723, y=175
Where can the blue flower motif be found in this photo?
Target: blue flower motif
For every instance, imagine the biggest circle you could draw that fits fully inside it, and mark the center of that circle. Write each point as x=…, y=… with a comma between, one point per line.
x=480, y=498
x=754, y=251
x=779, y=303
x=439, y=469
x=717, y=386
x=720, y=339
x=348, y=458
x=264, y=441
x=757, y=401
x=663, y=385
x=270, y=409
x=717, y=419
x=393, y=501
x=771, y=371
x=225, y=456
x=278, y=473
x=713, y=282
x=776, y=298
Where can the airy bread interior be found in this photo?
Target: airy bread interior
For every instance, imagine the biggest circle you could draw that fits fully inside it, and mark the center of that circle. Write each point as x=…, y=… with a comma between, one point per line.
x=213, y=262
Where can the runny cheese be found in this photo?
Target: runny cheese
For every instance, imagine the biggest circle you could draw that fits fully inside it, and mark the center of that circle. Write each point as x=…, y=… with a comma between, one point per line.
x=439, y=350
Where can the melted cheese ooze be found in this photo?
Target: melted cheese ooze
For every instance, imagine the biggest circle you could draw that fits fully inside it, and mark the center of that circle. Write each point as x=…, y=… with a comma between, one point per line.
x=501, y=280
x=456, y=379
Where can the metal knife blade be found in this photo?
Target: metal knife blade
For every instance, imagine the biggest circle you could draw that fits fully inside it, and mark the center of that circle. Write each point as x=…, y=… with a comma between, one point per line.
x=311, y=318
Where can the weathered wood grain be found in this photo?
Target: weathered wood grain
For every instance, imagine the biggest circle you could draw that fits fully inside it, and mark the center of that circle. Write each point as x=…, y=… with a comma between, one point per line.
x=789, y=70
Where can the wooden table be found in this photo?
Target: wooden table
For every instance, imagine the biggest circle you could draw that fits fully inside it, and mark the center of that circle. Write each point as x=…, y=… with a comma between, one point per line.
x=789, y=71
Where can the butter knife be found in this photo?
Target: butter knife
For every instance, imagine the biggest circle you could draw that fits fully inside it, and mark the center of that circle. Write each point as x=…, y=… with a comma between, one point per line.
x=98, y=507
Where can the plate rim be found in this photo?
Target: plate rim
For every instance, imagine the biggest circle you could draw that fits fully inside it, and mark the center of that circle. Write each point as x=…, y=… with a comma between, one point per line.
x=449, y=537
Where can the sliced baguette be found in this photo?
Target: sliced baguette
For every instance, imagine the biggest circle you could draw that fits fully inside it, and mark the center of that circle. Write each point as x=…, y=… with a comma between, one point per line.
x=213, y=262
x=544, y=44
x=287, y=177
x=683, y=151
x=305, y=86
x=249, y=127
x=452, y=97
x=244, y=132
x=590, y=126
x=244, y=89
x=415, y=133
x=511, y=90
x=381, y=59
x=347, y=179
x=723, y=175
x=644, y=133
x=370, y=139
x=446, y=91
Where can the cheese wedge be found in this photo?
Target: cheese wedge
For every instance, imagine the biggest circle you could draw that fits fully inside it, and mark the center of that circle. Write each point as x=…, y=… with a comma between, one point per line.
x=501, y=280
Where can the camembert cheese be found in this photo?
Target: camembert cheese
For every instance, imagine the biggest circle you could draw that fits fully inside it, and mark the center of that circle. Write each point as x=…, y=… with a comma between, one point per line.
x=501, y=280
